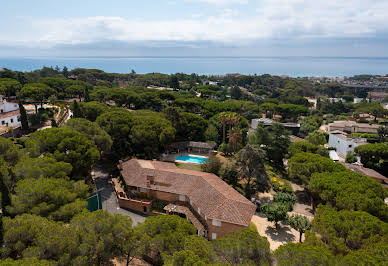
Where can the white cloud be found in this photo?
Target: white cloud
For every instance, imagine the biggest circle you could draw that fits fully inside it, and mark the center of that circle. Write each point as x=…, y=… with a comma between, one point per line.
x=224, y=2
x=274, y=19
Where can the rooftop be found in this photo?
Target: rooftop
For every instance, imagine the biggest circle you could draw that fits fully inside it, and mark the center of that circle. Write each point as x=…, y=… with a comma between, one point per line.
x=368, y=172
x=214, y=198
x=347, y=123
x=9, y=114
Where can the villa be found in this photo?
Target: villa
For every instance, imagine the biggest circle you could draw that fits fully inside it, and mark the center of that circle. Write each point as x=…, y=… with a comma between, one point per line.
x=210, y=204
x=9, y=114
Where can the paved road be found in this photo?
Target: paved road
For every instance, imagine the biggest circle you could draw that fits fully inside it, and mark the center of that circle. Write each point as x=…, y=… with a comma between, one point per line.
x=109, y=202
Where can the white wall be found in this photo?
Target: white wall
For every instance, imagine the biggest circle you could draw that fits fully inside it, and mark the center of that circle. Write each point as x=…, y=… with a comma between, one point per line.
x=343, y=147
x=13, y=121
x=7, y=107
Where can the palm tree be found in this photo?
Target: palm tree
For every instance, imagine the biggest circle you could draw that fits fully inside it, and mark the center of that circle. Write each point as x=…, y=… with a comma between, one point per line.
x=235, y=138
x=223, y=120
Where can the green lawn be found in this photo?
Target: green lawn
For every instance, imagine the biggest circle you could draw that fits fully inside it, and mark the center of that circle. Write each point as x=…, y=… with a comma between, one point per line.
x=189, y=166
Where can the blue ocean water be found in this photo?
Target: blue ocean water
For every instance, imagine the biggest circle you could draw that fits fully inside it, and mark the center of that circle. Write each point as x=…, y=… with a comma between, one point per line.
x=293, y=66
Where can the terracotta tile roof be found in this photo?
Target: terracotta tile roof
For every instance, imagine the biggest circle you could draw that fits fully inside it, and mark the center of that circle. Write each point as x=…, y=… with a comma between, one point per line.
x=9, y=114
x=215, y=198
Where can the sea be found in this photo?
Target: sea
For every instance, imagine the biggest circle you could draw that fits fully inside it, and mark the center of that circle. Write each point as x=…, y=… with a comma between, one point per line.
x=294, y=66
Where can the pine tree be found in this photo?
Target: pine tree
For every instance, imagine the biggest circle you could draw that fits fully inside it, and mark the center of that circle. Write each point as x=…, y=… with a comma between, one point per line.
x=65, y=72
x=76, y=110
x=23, y=117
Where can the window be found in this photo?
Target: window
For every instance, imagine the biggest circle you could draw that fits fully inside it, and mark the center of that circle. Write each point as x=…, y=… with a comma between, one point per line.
x=144, y=208
x=350, y=145
x=216, y=222
x=3, y=122
x=199, y=211
x=182, y=197
x=11, y=120
x=191, y=202
x=143, y=190
x=2, y=111
x=214, y=235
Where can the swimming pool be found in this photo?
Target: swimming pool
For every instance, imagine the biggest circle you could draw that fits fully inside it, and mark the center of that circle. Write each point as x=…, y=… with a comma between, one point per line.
x=191, y=159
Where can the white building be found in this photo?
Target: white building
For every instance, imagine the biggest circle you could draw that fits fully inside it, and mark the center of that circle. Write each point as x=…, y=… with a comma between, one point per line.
x=9, y=114
x=343, y=144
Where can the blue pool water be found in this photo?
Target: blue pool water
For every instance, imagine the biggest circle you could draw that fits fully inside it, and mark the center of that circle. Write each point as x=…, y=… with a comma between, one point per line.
x=191, y=159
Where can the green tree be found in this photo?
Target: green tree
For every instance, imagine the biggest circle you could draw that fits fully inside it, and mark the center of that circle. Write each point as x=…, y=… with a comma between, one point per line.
x=351, y=158
x=67, y=146
x=150, y=133
x=212, y=165
x=174, y=82
x=76, y=109
x=246, y=247
x=92, y=131
x=23, y=117
x=351, y=191
x=196, y=126
x=37, y=92
x=294, y=254
x=41, y=167
x=275, y=212
x=304, y=146
x=118, y=125
x=251, y=163
x=184, y=258
x=303, y=165
x=229, y=173
x=27, y=262
x=28, y=236
x=288, y=199
x=274, y=140
x=48, y=197
x=382, y=133
x=374, y=156
x=310, y=124
x=9, y=87
x=374, y=254
x=89, y=110
x=300, y=223
x=317, y=137
x=235, y=93
x=211, y=133
x=75, y=90
x=164, y=235
x=103, y=236
x=345, y=230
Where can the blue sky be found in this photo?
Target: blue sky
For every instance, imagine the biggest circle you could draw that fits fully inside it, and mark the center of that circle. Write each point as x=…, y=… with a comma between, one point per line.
x=194, y=28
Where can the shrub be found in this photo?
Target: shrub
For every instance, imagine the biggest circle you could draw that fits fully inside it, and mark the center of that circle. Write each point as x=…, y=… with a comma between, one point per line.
x=281, y=185
x=287, y=199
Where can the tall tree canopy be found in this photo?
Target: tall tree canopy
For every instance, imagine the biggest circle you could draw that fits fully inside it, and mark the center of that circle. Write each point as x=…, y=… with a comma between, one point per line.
x=57, y=198
x=374, y=156
x=351, y=191
x=251, y=163
x=65, y=145
x=345, y=230
x=303, y=165
x=37, y=92
x=92, y=131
